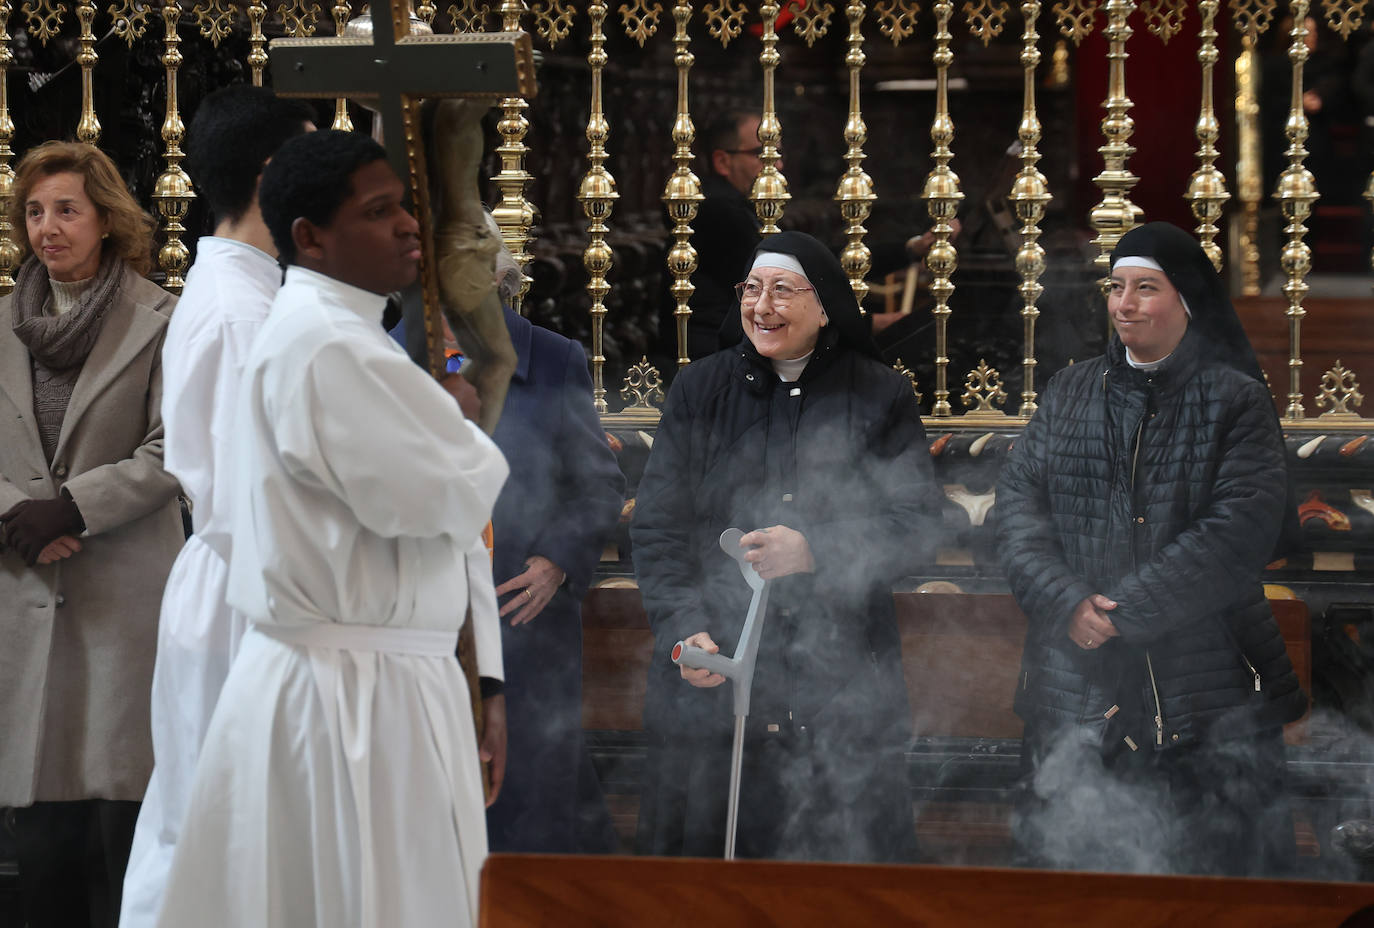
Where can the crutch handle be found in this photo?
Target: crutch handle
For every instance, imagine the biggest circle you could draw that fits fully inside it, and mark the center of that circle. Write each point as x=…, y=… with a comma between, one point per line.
x=694, y=658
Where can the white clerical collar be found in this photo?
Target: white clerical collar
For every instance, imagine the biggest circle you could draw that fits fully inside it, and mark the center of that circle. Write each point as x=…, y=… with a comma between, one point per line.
x=1146, y=365
x=789, y=370
x=365, y=303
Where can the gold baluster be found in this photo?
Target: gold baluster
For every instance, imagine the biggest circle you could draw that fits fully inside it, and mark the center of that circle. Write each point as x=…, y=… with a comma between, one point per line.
x=769, y=192
x=514, y=214
x=855, y=193
x=1251, y=18
x=173, y=193
x=1029, y=197
x=1207, y=188
x=342, y=121
x=9, y=251
x=88, y=129
x=597, y=195
x=257, y=42
x=1296, y=193
x=942, y=196
x=682, y=194
x=1116, y=214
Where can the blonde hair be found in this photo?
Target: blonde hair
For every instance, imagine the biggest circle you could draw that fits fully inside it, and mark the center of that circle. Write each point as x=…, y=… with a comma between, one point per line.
x=130, y=232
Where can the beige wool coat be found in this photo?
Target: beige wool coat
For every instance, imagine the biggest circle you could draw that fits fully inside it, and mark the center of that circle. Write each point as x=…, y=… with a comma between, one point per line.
x=78, y=638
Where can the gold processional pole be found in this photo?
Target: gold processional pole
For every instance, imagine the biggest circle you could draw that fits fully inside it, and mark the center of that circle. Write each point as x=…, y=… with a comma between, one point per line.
x=1207, y=191
x=1116, y=214
x=88, y=129
x=770, y=187
x=1029, y=197
x=173, y=193
x=9, y=252
x=682, y=194
x=342, y=13
x=1251, y=18
x=597, y=195
x=1296, y=193
x=942, y=196
x=257, y=42
x=514, y=214
x=855, y=193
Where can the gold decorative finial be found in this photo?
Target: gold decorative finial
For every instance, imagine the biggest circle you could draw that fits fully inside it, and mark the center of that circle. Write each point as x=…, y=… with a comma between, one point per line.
x=1029, y=197
x=769, y=192
x=469, y=16
x=553, y=20
x=983, y=389
x=1339, y=390
x=643, y=387
x=897, y=19
x=214, y=20
x=986, y=19
x=130, y=20
x=942, y=196
x=1207, y=187
x=173, y=193
x=1164, y=17
x=725, y=20
x=1344, y=16
x=1075, y=18
x=1116, y=214
x=910, y=375
x=855, y=194
x=812, y=21
x=640, y=19
x=597, y=194
x=1252, y=17
x=682, y=194
x=45, y=18
x=298, y=17
x=1296, y=193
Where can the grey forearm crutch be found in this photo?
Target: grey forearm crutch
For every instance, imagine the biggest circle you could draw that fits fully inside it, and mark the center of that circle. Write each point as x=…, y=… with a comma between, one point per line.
x=739, y=670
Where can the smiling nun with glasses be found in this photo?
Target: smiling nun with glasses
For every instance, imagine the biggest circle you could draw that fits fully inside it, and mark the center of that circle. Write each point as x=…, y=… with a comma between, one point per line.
x=801, y=437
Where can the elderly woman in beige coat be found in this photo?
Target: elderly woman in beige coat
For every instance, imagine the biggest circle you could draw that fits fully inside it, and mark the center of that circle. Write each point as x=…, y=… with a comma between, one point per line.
x=89, y=527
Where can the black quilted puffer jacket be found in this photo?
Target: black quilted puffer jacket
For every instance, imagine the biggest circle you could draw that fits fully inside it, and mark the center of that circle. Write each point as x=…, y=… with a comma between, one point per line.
x=1165, y=492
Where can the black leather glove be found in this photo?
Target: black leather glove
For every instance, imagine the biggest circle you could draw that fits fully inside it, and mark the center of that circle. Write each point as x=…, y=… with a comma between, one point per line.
x=31, y=525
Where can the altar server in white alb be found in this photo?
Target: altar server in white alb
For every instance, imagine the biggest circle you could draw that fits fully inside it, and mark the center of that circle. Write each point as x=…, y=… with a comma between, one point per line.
x=228, y=293
x=339, y=783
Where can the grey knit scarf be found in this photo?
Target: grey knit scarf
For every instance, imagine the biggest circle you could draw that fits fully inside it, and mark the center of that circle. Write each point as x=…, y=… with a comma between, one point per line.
x=59, y=345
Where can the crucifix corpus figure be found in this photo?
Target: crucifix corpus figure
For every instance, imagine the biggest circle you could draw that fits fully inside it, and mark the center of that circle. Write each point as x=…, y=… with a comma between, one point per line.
x=436, y=88
x=339, y=782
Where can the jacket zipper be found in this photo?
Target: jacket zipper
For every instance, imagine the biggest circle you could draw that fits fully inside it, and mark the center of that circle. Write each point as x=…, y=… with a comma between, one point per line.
x=1252, y=670
x=1159, y=712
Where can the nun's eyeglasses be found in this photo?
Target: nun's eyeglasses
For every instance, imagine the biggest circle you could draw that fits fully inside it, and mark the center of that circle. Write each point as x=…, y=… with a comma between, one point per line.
x=750, y=292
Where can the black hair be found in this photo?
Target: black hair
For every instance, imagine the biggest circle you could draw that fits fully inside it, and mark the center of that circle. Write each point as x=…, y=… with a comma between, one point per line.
x=722, y=132
x=309, y=178
x=234, y=131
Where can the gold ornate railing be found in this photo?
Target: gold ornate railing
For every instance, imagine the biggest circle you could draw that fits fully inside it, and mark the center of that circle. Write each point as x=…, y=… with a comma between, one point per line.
x=929, y=33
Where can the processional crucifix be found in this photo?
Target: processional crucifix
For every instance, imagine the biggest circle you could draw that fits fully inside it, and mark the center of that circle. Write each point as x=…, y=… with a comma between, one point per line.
x=399, y=71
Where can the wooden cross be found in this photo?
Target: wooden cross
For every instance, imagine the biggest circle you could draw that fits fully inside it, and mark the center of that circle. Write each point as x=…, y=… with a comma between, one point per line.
x=398, y=70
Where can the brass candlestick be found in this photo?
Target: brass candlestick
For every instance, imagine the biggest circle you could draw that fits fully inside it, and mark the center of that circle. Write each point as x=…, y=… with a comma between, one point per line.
x=88, y=129
x=597, y=195
x=1116, y=214
x=769, y=192
x=1207, y=188
x=173, y=193
x=682, y=194
x=855, y=193
x=1029, y=197
x=342, y=121
x=257, y=42
x=9, y=251
x=1296, y=193
x=942, y=196
x=514, y=214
